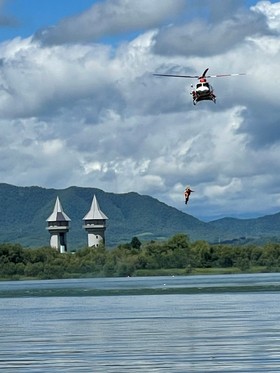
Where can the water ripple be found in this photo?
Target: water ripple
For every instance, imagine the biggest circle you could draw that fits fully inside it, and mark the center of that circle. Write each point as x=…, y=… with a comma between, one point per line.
x=228, y=332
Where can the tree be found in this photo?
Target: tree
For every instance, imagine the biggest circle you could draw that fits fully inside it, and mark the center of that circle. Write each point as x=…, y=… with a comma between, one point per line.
x=135, y=243
x=179, y=240
x=201, y=255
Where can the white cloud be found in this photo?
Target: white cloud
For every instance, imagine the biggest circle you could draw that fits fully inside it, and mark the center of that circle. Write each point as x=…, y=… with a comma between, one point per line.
x=271, y=12
x=93, y=115
x=111, y=17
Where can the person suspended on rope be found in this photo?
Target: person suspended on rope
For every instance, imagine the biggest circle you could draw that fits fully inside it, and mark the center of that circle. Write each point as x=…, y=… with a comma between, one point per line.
x=187, y=194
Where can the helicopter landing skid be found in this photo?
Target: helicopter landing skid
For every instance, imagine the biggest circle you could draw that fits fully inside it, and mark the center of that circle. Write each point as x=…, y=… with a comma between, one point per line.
x=213, y=98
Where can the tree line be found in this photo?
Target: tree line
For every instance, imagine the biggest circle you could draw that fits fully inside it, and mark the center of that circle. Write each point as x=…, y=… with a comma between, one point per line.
x=177, y=255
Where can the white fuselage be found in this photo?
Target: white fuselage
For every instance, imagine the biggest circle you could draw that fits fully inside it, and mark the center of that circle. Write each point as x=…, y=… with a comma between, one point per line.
x=203, y=89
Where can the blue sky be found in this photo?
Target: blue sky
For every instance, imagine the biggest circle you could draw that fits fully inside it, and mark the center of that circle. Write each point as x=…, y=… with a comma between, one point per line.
x=32, y=15
x=79, y=104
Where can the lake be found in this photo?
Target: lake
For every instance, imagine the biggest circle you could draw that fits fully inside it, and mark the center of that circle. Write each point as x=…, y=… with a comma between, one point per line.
x=184, y=324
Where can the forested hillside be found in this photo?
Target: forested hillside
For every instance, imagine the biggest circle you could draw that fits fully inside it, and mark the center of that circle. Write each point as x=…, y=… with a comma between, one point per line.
x=24, y=210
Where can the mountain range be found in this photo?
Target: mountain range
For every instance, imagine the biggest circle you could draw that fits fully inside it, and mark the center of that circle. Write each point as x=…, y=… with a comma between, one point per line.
x=24, y=210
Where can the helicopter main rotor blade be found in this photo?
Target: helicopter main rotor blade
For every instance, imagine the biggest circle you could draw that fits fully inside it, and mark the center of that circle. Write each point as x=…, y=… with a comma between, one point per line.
x=223, y=75
x=203, y=76
x=177, y=76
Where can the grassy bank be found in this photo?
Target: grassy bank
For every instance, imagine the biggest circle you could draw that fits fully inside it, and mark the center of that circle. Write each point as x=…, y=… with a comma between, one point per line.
x=151, y=272
x=198, y=271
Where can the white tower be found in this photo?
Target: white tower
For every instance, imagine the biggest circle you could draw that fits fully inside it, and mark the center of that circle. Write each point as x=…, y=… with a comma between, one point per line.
x=58, y=226
x=95, y=224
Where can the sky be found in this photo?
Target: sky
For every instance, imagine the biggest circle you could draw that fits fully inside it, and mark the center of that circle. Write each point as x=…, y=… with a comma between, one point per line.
x=80, y=106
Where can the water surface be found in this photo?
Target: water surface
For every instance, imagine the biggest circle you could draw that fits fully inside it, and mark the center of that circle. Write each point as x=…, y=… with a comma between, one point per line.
x=198, y=332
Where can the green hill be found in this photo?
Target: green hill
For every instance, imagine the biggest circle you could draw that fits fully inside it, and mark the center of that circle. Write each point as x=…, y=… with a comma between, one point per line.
x=259, y=230
x=24, y=210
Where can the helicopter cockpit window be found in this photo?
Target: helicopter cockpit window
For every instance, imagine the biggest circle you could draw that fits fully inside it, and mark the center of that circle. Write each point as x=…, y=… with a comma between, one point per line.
x=198, y=85
x=206, y=85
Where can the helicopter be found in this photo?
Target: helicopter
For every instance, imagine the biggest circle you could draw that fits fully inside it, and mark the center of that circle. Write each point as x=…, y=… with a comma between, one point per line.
x=203, y=91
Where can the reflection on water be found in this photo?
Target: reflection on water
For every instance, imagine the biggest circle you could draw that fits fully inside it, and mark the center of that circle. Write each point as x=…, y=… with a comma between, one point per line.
x=225, y=332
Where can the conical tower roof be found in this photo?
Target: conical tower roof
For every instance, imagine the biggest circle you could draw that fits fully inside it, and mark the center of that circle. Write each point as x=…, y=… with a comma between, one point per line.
x=58, y=214
x=95, y=213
